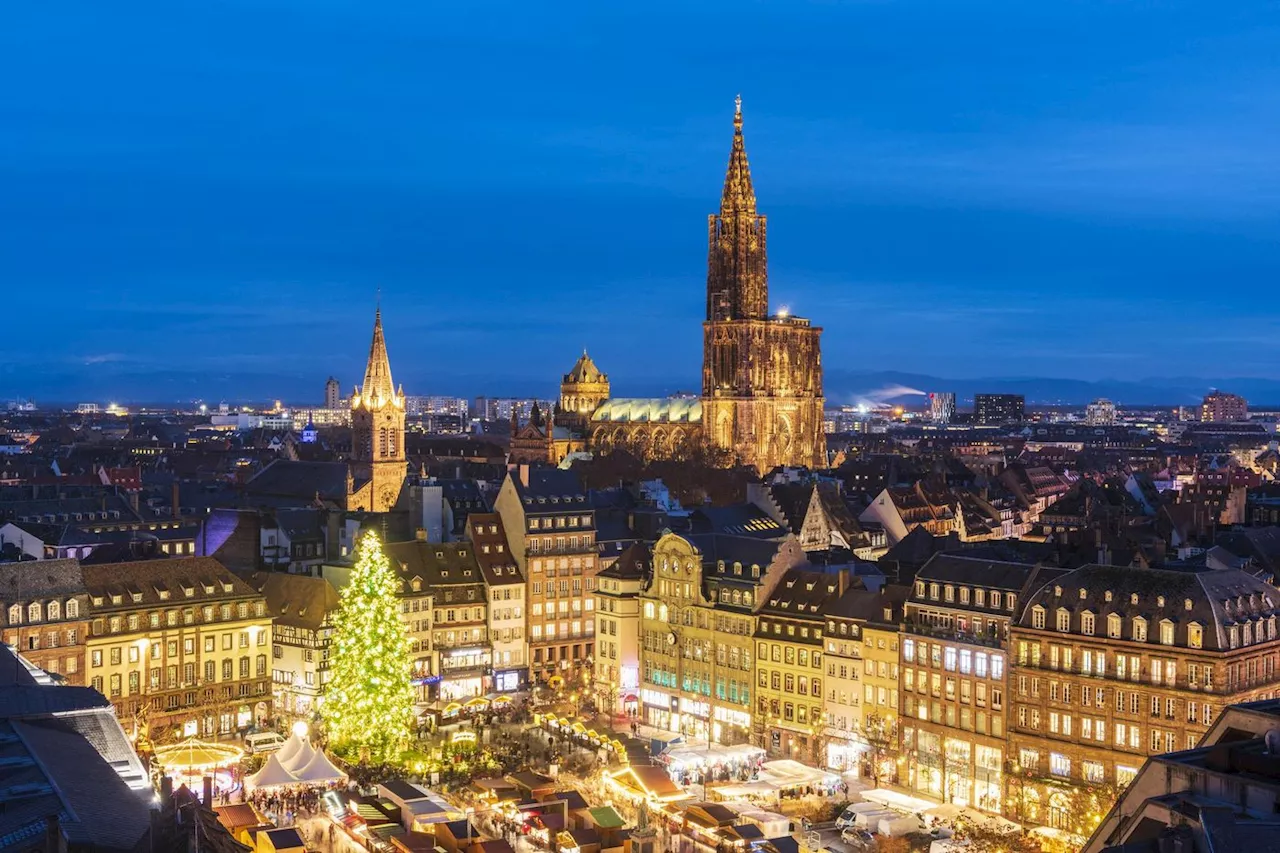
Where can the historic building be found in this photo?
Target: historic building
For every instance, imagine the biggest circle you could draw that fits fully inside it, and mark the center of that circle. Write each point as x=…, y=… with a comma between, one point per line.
x=551, y=532
x=506, y=600
x=180, y=645
x=761, y=373
x=955, y=676
x=377, y=466
x=1115, y=664
x=301, y=608
x=617, y=674
x=697, y=627
x=45, y=615
x=789, y=672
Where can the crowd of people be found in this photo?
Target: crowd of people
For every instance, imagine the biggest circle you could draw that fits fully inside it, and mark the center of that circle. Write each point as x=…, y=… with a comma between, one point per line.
x=284, y=806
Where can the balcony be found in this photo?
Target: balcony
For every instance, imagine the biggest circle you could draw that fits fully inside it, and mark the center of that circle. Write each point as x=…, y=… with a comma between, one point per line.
x=984, y=638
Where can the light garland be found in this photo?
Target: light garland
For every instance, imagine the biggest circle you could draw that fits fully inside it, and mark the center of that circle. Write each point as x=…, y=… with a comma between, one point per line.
x=368, y=704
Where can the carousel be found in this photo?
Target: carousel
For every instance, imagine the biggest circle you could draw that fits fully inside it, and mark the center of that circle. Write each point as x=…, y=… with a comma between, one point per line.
x=189, y=761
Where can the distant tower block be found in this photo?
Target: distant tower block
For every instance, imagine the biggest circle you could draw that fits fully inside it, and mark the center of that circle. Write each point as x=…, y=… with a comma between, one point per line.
x=332, y=394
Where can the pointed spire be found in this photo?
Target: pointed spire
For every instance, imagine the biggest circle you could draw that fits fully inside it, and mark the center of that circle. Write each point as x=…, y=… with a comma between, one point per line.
x=377, y=375
x=738, y=196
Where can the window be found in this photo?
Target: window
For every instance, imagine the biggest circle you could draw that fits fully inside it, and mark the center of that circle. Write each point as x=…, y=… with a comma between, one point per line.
x=1139, y=629
x=1166, y=632
x=1195, y=635
x=1113, y=626
x=1092, y=771
x=1124, y=775
x=1086, y=623
x=1059, y=764
x=1063, y=619
x=1037, y=615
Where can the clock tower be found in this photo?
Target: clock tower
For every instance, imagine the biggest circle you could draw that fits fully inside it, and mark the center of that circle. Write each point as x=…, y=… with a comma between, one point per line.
x=377, y=433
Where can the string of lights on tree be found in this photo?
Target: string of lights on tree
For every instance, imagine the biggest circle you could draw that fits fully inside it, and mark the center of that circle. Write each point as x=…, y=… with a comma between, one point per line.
x=368, y=705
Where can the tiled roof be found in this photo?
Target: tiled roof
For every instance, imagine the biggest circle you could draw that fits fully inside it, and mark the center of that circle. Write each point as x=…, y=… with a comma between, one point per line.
x=297, y=600
x=148, y=578
x=40, y=579
x=303, y=480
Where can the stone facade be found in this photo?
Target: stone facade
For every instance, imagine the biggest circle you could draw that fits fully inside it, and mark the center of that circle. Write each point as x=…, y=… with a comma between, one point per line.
x=377, y=468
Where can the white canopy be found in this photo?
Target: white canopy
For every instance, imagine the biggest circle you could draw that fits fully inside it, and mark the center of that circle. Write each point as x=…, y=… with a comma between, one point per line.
x=271, y=775
x=319, y=769
x=301, y=758
x=291, y=746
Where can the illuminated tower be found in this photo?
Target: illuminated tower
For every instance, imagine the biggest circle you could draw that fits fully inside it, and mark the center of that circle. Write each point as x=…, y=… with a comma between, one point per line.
x=377, y=433
x=761, y=373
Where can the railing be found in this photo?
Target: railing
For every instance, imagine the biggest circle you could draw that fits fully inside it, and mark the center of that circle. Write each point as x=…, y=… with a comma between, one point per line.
x=923, y=629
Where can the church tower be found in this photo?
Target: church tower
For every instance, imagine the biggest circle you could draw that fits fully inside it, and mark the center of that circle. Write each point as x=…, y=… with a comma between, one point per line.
x=761, y=373
x=377, y=433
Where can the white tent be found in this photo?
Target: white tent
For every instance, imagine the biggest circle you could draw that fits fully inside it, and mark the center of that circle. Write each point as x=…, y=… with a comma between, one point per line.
x=271, y=775
x=291, y=746
x=300, y=758
x=319, y=769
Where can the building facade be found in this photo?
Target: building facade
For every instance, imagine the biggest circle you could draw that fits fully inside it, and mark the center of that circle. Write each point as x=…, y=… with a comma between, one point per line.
x=997, y=409
x=550, y=529
x=955, y=672
x=507, y=593
x=377, y=467
x=1100, y=413
x=1221, y=407
x=301, y=610
x=617, y=664
x=1115, y=664
x=942, y=406
x=45, y=615
x=182, y=646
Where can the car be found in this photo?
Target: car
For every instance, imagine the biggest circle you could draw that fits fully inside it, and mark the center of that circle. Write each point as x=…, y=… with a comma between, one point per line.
x=846, y=818
x=858, y=837
x=260, y=742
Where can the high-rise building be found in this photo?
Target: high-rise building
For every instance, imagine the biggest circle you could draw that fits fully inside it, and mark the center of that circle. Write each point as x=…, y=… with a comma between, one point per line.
x=332, y=393
x=998, y=409
x=942, y=406
x=457, y=407
x=1221, y=407
x=377, y=433
x=1101, y=412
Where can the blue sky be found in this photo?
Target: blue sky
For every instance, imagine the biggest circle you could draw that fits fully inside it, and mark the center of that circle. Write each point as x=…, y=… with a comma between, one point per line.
x=202, y=198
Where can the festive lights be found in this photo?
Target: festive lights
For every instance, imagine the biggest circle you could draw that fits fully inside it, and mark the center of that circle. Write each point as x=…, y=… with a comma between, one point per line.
x=368, y=703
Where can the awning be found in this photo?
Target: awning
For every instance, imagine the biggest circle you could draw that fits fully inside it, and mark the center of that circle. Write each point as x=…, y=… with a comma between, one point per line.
x=502, y=700
x=451, y=708
x=478, y=702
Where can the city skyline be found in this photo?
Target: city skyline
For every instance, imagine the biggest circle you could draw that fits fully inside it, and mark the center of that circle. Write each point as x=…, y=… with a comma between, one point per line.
x=1086, y=187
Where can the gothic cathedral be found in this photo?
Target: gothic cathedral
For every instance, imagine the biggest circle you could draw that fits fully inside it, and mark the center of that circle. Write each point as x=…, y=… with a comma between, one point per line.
x=761, y=372
x=377, y=467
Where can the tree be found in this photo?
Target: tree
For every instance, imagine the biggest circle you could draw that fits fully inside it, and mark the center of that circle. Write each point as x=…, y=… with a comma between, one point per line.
x=368, y=704
x=988, y=837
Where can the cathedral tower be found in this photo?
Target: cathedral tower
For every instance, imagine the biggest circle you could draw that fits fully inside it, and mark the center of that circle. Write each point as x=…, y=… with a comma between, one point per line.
x=377, y=433
x=761, y=373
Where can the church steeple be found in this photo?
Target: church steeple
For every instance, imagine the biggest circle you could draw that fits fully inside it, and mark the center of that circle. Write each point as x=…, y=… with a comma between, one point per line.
x=737, y=267
x=739, y=197
x=378, y=386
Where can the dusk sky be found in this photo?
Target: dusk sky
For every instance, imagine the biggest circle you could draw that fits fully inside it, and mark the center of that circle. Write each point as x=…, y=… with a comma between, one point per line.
x=202, y=199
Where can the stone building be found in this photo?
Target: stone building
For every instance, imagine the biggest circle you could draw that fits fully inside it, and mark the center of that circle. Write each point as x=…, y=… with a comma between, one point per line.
x=789, y=670
x=761, y=372
x=551, y=532
x=507, y=594
x=377, y=466
x=955, y=676
x=1114, y=664
x=617, y=671
x=43, y=608
x=697, y=627
x=181, y=644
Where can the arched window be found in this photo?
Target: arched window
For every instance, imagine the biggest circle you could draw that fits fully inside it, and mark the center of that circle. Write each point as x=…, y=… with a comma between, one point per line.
x=73, y=609
x=648, y=610
x=663, y=614
x=15, y=614
x=55, y=610
x=33, y=611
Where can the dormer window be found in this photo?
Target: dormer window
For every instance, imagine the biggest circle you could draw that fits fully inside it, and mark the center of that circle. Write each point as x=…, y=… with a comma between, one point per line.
x=1133, y=598
x=933, y=591
x=1086, y=623
x=1195, y=636
x=980, y=597
x=1057, y=591
x=1139, y=629
x=995, y=599
x=1063, y=623
x=15, y=614
x=1186, y=605
x=1037, y=617
x=1166, y=632
x=1106, y=596
x=1113, y=626
x=920, y=589
x=1159, y=601
x=949, y=593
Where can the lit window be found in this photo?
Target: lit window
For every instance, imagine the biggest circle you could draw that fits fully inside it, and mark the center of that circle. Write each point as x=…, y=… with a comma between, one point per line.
x=1064, y=619
x=1059, y=764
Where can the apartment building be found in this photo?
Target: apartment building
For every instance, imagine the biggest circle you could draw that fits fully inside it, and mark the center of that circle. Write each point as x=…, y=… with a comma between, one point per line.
x=183, y=645
x=550, y=529
x=697, y=627
x=506, y=589
x=617, y=663
x=301, y=610
x=45, y=615
x=955, y=671
x=789, y=669
x=1114, y=664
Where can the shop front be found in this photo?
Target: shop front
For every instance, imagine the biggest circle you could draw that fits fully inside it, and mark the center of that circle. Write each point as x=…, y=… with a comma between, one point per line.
x=844, y=753
x=927, y=773
x=731, y=726
x=959, y=772
x=510, y=680
x=659, y=708
x=988, y=778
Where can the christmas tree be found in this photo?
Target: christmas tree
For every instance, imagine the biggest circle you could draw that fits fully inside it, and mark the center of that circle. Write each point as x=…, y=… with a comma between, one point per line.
x=368, y=704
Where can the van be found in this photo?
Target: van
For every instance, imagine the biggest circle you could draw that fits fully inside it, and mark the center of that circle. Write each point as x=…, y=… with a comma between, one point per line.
x=263, y=742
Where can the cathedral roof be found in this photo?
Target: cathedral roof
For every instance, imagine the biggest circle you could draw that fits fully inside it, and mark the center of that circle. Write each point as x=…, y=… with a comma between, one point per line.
x=739, y=196
x=632, y=410
x=585, y=370
x=378, y=386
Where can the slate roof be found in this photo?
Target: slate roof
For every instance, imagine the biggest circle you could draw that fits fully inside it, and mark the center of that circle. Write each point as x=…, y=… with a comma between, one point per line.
x=147, y=578
x=302, y=480
x=435, y=563
x=498, y=565
x=802, y=594
x=38, y=579
x=740, y=520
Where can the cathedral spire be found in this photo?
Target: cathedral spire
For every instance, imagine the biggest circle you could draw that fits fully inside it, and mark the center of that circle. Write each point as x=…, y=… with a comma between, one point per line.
x=739, y=196
x=377, y=375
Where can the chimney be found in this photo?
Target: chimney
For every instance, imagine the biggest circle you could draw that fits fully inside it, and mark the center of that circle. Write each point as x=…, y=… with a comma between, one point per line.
x=52, y=834
x=177, y=506
x=208, y=792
